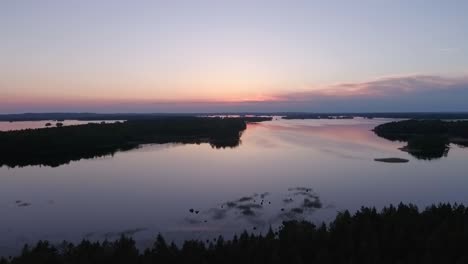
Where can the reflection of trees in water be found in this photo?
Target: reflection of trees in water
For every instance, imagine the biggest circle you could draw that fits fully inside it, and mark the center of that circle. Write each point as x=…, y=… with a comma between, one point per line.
x=427, y=147
x=426, y=139
x=259, y=210
x=60, y=145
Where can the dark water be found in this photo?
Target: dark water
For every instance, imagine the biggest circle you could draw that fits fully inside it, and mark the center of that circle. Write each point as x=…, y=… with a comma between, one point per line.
x=150, y=190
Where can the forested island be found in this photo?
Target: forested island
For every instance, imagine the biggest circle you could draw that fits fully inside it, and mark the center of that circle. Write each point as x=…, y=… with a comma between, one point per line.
x=400, y=234
x=54, y=146
x=426, y=139
x=392, y=160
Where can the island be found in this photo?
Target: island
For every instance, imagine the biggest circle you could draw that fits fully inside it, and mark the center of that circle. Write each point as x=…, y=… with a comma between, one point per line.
x=392, y=160
x=426, y=139
x=54, y=146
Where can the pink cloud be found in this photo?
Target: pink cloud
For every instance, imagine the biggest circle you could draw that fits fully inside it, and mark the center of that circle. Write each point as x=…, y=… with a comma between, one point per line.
x=394, y=93
x=382, y=87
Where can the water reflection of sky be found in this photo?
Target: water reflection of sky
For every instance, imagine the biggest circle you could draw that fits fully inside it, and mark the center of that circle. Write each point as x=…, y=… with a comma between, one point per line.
x=151, y=189
x=350, y=139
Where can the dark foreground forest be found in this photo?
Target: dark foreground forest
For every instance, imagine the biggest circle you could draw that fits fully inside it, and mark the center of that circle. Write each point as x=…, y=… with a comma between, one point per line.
x=55, y=146
x=401, y=234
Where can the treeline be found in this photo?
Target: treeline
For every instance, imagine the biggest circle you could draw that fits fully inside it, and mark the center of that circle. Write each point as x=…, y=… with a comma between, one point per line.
x=399, y=115
x=59, y=145
x=426, y=139
x=111, y=116
x=318, y=116
x=85, y=116
x=287, y=115
x=408, y=128
x=401, y=234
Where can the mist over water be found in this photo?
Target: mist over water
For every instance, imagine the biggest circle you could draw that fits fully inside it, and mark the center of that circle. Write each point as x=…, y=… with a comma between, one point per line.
x=197, y=191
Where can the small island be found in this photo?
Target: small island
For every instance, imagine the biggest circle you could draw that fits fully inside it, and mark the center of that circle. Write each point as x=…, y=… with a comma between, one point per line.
x=392, y=160
x=426, y=139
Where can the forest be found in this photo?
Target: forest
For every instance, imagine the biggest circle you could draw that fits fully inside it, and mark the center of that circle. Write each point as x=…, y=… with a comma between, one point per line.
x=54, y=146
x=396, y=234
x=426, y=139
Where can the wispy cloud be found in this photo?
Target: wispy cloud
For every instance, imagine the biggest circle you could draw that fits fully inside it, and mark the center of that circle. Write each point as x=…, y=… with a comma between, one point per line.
x=380, y=88
x=394, y=93
x=448, y=50
x=387, y=94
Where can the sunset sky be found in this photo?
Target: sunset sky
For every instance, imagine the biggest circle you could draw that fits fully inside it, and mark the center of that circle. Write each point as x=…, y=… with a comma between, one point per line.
x=214, y=56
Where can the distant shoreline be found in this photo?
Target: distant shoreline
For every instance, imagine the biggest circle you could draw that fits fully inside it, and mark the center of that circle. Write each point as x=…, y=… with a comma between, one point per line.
x=285, y=115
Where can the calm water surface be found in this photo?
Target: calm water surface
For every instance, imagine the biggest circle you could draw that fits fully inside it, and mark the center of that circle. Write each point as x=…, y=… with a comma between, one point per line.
x=150, y=190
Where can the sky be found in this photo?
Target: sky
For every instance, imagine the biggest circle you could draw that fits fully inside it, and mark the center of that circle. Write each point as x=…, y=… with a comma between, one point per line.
x=233, y=56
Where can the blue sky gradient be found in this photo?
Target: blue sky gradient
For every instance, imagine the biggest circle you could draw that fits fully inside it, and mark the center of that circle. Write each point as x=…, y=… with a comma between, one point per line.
x=189, y=56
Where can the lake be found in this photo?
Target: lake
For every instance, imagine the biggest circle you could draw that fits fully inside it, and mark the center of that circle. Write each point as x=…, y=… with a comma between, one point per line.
x=196, y=191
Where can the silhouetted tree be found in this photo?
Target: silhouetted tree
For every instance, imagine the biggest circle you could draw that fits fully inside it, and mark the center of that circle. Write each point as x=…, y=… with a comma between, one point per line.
x=400, y=234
